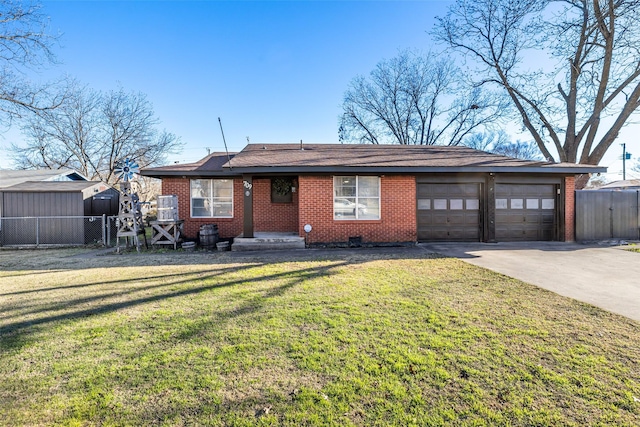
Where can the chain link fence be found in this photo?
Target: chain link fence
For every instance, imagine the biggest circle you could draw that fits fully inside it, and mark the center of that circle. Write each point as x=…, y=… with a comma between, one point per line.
x=57, y=231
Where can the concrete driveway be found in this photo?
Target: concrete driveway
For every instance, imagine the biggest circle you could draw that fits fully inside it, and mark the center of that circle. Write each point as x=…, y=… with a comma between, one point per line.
x=607, y=277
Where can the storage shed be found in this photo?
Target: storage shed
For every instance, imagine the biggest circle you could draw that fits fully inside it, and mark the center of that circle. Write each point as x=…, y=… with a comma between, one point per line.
x=9, y=178
x=52, y=212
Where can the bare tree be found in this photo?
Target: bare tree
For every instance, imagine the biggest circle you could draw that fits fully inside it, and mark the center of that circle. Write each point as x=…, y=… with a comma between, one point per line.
x=500, y=143
x=636, y=167
x=488, y=140
x=24, y=45
x=414, y=99
x=525, y=150
x=596, y=182
x=574, y=108
x=91, y=131
x=147, y=188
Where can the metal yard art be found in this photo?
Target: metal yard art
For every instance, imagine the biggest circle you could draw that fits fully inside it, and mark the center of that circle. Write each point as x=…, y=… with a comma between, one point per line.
x=127, y=170
x=130, y=223
x=167, y=230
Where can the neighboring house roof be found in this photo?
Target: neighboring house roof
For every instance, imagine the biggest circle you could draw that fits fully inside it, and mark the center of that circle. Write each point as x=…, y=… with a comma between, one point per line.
x=55, y=187
x=362, y=158
x=630, y=184
x=9, y=178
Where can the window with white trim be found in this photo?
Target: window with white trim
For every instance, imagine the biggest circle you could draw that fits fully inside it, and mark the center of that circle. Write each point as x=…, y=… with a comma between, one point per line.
x=212, y=198
x=356, y=197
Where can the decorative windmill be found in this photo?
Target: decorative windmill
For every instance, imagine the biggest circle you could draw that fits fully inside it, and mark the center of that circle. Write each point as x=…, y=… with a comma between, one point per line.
x=127, y=170
x=130, y=222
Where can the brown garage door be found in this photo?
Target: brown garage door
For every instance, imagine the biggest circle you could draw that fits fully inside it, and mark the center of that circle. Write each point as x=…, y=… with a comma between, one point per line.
x=525, y=212
x=449, y=211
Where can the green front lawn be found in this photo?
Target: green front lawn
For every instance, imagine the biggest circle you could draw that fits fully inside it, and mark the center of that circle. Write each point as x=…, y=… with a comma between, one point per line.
x=361, y=339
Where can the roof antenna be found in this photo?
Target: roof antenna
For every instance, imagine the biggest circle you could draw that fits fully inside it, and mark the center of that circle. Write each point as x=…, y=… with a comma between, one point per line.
x=301, y=147
x=225, y=143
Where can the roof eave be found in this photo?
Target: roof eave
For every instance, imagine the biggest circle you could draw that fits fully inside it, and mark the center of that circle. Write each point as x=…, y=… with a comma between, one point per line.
x=550, y=169
x=160, y=174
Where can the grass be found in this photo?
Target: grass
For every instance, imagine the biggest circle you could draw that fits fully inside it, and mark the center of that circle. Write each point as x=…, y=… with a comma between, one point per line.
x=357, y=338
x=632, y=247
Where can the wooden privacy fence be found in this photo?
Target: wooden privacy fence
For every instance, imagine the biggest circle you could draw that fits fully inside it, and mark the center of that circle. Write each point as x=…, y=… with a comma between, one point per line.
x=607, y=214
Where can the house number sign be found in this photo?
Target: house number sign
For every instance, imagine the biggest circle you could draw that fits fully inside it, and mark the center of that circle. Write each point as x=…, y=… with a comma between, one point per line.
x=248, y=187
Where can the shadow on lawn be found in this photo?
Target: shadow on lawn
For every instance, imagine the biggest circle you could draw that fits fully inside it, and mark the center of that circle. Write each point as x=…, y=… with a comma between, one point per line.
x=14, y=334
x=112, y=282
x=44, y=261
x=25, y=313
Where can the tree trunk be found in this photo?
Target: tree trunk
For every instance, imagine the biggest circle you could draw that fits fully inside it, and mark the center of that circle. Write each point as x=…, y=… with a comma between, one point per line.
x=582, y=180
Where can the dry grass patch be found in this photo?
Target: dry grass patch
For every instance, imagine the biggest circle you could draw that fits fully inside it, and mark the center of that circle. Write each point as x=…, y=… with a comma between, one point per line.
x=354, y=338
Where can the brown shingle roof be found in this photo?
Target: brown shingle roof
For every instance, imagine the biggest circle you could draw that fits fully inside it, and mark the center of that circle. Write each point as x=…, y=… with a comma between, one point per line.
x=629, y=183
x=210, y=164
x=361, y=155
x=338, y=158
x=392, y=158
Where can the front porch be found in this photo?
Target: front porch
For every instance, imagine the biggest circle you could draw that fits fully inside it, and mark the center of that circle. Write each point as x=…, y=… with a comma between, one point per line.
x=264, y=241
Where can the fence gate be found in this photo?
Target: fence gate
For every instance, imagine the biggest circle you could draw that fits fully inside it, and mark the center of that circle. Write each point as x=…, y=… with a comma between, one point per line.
x=607, y=214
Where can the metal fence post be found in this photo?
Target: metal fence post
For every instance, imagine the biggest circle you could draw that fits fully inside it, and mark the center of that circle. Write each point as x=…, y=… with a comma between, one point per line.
x=37, y=231
x=104, y=226
x=108, y=240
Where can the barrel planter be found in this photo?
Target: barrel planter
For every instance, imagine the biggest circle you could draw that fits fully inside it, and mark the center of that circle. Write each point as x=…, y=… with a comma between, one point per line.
x=208, y=235
x=223, y=246
x=189, y=246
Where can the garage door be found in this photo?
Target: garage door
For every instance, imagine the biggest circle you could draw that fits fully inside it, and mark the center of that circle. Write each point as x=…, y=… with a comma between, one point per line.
x=525, y=212
x=448, y=212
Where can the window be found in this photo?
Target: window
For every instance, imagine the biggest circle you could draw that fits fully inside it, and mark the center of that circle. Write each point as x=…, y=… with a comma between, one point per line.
x=473, y=204
x=356, y=197
x=424, y=204
x=440, y=204
x=282, y=189
x=212, y=198
x=455, y=204
x=501, y=203
x=548, y=204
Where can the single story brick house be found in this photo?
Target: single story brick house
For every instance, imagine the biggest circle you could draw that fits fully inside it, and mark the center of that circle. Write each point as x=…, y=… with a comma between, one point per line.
x=375, y=193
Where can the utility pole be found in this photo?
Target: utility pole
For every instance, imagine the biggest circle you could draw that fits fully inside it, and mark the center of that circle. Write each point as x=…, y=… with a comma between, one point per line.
x=624, y=159
x=625, y=156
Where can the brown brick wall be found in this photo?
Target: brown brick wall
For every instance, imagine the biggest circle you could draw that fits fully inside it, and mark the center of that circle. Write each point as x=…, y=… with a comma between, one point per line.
x=397, y=220
x=227, y=227
x=569, y=209
x=269, y=216
x=313, y=204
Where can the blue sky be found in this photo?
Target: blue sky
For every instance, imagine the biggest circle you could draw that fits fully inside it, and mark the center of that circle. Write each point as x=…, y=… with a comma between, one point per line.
x=273, y=71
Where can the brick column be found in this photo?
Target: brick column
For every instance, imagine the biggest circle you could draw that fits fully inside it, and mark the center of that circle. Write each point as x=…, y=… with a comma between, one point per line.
x=569, y=209
x=247, y=182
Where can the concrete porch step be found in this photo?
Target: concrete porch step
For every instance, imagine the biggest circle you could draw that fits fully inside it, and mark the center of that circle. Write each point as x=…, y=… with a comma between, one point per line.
x=268, y=241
